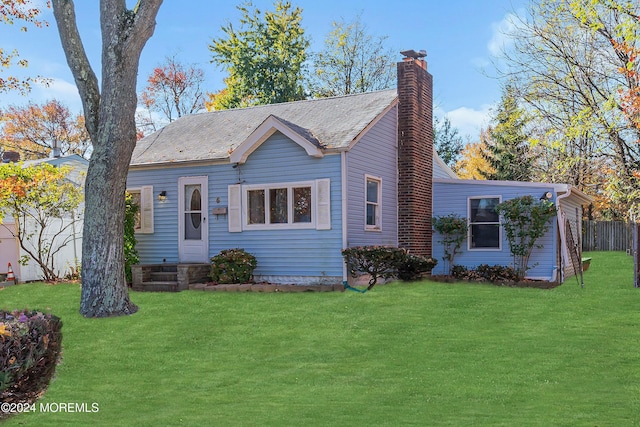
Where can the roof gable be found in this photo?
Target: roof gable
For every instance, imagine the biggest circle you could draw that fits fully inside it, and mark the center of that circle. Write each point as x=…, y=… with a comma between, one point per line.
x=271, y=125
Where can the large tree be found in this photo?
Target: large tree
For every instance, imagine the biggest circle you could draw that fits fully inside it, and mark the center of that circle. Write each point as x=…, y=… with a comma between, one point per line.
x=264, y=58
x=566, y=61
x=353, y=61
x=173, y=90
x=36, y=130
x=109, y=110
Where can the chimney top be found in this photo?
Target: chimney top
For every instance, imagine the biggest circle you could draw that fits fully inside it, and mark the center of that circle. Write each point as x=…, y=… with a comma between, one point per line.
x=417, y=57
x=412, y=54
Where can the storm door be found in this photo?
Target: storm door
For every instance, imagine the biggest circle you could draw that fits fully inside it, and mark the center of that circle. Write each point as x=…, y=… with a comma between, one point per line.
x=192, y=219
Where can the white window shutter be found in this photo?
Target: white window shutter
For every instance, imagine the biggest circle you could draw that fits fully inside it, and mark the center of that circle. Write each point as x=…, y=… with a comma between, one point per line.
x=323, y=204
x=146, y=209
x=235, y=208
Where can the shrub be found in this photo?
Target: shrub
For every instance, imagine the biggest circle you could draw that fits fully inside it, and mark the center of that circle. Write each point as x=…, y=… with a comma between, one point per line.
x=377, y=261
x=485, y=272
x=453, y=229
x=131, y=257
x=385, y=262
x=233, y=266
x=497, y=273
x=31, y=344
x=413, y=266
x=459, y=271
x=525, y=220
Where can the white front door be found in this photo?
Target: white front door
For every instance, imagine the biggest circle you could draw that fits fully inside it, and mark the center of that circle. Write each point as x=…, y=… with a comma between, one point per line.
x=193, y=233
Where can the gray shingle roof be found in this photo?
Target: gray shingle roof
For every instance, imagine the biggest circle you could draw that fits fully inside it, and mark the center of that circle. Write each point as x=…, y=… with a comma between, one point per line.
x=332, y=123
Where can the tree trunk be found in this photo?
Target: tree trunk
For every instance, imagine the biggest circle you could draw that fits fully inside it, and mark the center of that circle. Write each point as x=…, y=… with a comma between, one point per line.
x=104, y=289
x=110, y=120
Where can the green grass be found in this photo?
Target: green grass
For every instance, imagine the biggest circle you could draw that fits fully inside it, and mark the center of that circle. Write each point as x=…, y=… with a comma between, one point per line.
x=403, y=354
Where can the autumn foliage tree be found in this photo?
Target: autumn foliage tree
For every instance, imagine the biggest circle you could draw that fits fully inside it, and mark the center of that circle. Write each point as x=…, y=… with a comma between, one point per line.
x=12, y=11
x=43, y=203
x=618, y=23
x=35, y=130
x=573, y=61
x=173, y=90
x=472, y=163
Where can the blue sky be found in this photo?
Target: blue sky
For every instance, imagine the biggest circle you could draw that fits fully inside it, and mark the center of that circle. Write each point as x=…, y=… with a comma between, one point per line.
x=461, y=38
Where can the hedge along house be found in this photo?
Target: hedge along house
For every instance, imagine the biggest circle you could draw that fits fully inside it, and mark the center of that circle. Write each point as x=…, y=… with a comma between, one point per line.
x=558, y=253
x=291, y=183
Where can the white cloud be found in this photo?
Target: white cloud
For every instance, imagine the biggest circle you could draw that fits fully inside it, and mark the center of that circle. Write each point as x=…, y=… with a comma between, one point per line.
x=469, y=121
x=500, y=39
x=60, y=90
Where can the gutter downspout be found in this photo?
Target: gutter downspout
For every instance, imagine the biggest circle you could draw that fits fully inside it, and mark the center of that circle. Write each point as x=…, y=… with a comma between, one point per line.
x=343, y=177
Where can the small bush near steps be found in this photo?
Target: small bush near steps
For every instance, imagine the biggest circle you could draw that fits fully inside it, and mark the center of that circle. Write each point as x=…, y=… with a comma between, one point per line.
x=233, y=266
x=30, y=349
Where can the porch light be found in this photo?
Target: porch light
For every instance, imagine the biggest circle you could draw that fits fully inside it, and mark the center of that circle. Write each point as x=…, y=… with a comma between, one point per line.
x=162, y=196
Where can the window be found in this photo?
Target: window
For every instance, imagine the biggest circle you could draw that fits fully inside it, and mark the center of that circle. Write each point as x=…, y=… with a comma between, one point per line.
x=289, y=205
x=484, y=223
x=373, y=196
x=143, y=197
x=135, y=197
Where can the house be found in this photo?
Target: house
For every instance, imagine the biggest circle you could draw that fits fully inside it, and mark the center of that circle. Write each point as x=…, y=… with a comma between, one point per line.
x=69, y=229
x=560, y=254
x=295, y=183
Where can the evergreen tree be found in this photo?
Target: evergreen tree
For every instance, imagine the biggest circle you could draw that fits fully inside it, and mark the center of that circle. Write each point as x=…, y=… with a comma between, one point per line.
x=447, y=141
x=507, y=147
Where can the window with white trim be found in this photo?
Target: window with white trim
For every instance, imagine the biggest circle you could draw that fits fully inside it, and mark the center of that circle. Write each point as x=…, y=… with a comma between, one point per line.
x=484, y=223
x=373, y=207
x=280, y=206
x=143, y=197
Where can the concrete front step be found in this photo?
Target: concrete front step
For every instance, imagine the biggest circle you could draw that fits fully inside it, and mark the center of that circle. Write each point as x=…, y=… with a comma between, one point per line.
x=164, y=276
x=168, y=277
x=157, y=286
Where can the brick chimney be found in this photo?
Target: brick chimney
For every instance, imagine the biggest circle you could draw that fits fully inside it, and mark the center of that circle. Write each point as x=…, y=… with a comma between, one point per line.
x=415, y=153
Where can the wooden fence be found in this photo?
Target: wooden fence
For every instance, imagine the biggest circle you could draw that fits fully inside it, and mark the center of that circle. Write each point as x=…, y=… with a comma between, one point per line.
x=607, y=235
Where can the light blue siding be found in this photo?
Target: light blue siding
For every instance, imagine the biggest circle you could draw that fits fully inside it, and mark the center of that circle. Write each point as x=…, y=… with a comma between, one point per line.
x=300, y=252
x=451, y=197
x=376, y=155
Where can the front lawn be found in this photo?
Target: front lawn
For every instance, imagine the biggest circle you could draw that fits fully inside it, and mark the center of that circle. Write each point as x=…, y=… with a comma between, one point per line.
x=421, y=354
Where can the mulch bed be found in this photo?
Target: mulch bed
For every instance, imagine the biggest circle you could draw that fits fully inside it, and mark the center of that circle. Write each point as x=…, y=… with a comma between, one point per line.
x=539, y=284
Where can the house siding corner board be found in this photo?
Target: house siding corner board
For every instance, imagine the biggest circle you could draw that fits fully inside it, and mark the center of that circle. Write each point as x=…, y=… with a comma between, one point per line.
x=375, y=156
x=451, y=198
x=286, y=253
x=572, y=210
